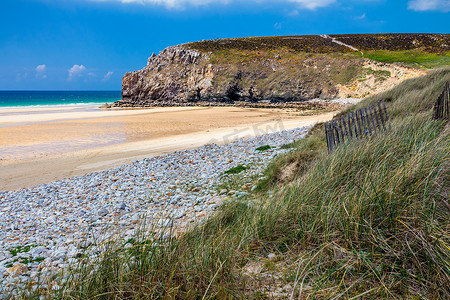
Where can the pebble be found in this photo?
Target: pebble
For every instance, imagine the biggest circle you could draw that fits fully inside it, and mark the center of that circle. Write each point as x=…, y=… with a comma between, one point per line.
x=17, y=270
x=103, y=212
x=51, y=225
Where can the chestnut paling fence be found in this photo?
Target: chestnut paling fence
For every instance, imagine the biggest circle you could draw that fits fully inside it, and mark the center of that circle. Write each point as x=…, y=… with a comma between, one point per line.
x=373, y=119
x=441, y=107
x=365, y=121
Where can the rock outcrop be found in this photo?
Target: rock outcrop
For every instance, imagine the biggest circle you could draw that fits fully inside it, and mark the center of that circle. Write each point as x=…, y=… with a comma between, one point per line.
x=182, y=75
x=167, y=78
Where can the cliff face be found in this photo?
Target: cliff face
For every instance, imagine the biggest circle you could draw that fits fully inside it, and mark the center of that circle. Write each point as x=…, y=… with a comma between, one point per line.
x=183, y=75
x=166, y=78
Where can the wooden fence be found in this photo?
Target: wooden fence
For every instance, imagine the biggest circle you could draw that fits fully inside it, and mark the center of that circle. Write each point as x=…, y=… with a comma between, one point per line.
x=441, y=107
x=364, y=121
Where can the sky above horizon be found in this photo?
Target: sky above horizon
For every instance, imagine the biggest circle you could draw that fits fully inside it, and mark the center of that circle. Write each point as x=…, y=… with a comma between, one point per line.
x=90, y=44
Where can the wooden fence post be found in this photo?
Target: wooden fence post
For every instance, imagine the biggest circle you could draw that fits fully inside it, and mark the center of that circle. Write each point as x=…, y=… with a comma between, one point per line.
x=446, y=101
x=368, y=121
x=330, y=136
x=373, y=121
x=358, y=120
x=380, y=112
x=441, y=106
x=336, y=131
x=354, y=124
x=327, y=136
x=385, y=112
x=345, y=126
x=363, y=119
x=349, y=125
x=341, y=132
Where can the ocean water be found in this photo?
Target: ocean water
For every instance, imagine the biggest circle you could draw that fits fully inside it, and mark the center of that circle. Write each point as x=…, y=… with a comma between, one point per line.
x=46, y=98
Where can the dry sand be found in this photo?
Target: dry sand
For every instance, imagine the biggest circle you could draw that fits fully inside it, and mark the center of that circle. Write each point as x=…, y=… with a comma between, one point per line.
x=41, y=145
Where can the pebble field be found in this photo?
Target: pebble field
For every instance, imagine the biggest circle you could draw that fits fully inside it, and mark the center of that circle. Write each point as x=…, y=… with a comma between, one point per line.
x=44, y=228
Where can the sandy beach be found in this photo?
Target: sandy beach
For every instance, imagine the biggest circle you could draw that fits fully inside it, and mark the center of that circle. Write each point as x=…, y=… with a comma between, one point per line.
x=39, y=145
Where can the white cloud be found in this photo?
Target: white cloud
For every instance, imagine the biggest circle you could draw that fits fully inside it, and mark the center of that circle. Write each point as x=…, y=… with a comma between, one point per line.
x=107, y=76
x=76, y=71
x=293, y=13
x=40, y=71
x=307, y=4
x=22, y=76
x=361, y=17
x=424, y=5
x=313, y=4
x=41, y=68
x=169, y=3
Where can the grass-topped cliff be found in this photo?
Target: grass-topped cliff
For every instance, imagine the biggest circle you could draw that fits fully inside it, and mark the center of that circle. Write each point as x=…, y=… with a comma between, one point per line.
x=369, y=220
x=282, y=69
x=418, y=50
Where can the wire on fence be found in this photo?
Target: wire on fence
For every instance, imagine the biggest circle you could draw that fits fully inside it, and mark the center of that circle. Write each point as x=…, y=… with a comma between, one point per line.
x=365, y=121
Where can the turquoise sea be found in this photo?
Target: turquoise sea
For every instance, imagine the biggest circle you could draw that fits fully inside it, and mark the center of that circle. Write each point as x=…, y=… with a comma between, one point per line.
x=45, y=98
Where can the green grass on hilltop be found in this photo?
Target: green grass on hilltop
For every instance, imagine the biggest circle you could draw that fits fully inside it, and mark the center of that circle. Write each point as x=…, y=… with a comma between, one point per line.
x=370, y=220
x=412, y=58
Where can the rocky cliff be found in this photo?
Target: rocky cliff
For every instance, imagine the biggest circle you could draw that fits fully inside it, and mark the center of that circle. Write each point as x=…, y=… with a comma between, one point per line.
x=252, y=70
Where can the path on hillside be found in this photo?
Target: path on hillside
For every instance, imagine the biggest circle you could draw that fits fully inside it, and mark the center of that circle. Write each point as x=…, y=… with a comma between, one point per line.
x=325, y=36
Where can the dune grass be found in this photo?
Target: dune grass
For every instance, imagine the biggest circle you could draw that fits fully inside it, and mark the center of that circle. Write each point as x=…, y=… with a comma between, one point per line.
x=371, y=219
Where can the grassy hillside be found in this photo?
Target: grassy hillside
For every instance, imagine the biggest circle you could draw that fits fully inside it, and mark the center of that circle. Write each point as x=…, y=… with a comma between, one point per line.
x=370, y=220
x=416, y=50
x=282, y=69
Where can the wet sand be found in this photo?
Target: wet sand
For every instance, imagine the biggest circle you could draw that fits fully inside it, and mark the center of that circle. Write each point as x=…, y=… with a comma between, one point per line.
x=41, y=145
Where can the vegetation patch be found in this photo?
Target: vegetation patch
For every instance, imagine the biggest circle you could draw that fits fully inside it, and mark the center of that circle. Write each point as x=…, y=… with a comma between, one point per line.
x=431, y=43
x=25, y=260
x=236, y=170
x=263, y=148
x=298, y=43
x=20, y=249
x=413, y=58
x=384, y=73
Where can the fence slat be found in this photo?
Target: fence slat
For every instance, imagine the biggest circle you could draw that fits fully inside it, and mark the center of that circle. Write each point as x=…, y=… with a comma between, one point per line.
x=358, y=120
x=385, y=112
x=341, y=132
x=354, y=124
x=336, y=131
x=349, y=125
x=368, y=121
x=380, y=113
x=345, y=126
x=445, y=101
x=330, y=132
x=376, y=116
x=333, y=140
x=372, y=119
x=327, y=136
x=363, y=121
x=441, y=107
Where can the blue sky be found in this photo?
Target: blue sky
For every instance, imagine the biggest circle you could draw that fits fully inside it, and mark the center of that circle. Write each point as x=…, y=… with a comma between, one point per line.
x=90, y=44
